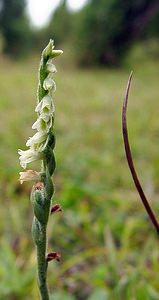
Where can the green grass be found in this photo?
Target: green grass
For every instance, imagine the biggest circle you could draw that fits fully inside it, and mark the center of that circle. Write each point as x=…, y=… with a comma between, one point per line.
x=109, y=248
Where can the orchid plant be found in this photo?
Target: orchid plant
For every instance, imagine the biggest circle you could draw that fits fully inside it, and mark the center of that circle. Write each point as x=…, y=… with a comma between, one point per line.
x=40, y=147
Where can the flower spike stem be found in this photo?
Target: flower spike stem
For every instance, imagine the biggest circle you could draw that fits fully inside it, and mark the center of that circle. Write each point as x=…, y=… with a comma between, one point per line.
x=41, y=146
x=42, y=266
x=130, y=160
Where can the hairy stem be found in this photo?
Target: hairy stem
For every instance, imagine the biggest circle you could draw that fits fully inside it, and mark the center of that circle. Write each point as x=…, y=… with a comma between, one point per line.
x=42, y=265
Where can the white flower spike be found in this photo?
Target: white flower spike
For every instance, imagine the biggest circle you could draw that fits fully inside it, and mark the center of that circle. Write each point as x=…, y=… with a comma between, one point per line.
x=45, y=108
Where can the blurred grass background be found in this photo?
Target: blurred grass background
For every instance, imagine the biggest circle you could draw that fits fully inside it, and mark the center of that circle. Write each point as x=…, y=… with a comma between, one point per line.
x=109, y=248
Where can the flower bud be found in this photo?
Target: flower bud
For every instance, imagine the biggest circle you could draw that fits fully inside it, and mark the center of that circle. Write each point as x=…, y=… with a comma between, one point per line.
x=38, y=202
x=48, y=50
x=56, y=53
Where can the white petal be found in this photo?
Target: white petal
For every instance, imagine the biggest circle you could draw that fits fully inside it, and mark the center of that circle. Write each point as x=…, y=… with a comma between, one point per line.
x=47, y=116
x=28, y=156
x=38, y=107
x=43, y=145
x=25, y=152
x=49, y=123
x=46, y=101
x=36, y=125
x=29, y=175
x=56, y=53
x=28, y=160
x=23, y=164
x=37, y=138
x=43, y=124
x=51, y=67
x=40, y=125
x=49, y=84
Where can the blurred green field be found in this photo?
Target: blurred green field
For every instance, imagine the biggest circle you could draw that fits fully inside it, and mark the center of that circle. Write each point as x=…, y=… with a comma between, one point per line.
x=109, y=248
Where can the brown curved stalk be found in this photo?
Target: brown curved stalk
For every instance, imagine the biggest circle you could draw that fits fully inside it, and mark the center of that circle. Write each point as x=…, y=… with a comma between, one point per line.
x=130, y=160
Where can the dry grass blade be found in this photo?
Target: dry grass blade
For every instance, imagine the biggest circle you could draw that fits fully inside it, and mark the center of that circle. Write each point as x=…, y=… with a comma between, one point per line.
x=130, y=160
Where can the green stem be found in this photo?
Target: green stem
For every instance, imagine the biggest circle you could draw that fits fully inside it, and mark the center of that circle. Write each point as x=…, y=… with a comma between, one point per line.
x=42, y=265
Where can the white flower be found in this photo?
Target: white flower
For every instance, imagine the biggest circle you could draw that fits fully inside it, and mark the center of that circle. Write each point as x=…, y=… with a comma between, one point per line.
x=45, y=103
x=51, y=67
x=46, y=116
x=37, y=138
x=29, y=175
x=49, y=84
x=43, y=145
x=45, y=108
x=28, y=156
x=41, y=125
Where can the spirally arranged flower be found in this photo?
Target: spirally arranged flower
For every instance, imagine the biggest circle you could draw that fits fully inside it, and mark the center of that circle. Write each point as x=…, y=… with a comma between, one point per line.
x=29, y=175
x=45, y=110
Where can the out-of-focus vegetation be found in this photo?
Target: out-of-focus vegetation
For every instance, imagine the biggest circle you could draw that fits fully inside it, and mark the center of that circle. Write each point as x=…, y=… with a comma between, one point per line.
x=14, y=27
x=109, y=248
x=100, y=34
x=106, y=30
x=61, y=24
